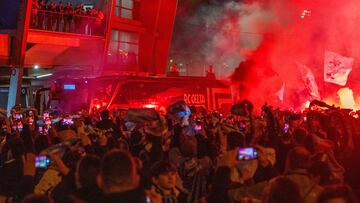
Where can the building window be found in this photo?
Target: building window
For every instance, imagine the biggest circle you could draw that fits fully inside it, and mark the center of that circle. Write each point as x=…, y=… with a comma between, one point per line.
x=123, y=48
x=124, y=8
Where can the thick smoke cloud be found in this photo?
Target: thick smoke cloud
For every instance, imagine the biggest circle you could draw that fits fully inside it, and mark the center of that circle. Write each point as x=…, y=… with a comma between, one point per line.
x=261, y=44
x=228, y=32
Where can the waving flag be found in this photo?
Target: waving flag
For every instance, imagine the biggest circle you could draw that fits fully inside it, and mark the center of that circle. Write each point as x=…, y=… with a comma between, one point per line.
x=309, y=80
x=280, y=94
x=337, y=68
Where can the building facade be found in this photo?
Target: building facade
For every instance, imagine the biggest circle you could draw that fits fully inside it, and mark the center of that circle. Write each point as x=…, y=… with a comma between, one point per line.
x=88, y=38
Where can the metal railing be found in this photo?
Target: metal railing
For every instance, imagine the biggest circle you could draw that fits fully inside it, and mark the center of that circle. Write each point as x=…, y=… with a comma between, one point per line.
x=63, y=22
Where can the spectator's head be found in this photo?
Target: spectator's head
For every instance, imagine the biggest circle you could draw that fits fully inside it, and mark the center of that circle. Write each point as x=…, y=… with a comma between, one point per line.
x=71, y=157
x=41, y=143
x=105, y=114
x=234, y=140
x=118, y=172
x=300, y=136
x=297, y=158
x=337, y=194
x=87, y=170
x=136, y=138
x=320, y=172
x=87, y=120
x=267, y=156
x=163, y=175
x=14, y=147
x=283, y=190
x=315, y=123
x=13, y=112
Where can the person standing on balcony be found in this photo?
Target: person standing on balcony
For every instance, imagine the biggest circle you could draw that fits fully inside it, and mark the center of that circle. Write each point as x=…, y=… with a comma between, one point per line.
x=51, y=18
x=69, y=15
x=98, y=22
x=210, y=72
x=92, y=27
x=60, y=13
x=78, y=20
x=34, y=14
x=41, y=14
x=174, y=70
x=87, y=21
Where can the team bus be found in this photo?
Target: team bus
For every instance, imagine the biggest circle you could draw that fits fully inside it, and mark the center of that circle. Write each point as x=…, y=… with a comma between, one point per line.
x=121, y=92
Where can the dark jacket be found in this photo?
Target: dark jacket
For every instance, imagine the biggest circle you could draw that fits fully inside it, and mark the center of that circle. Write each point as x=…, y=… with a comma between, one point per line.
x=133, y=196
x=106, y=124
x=64, y=188
x=265, y=173
x=89, y=194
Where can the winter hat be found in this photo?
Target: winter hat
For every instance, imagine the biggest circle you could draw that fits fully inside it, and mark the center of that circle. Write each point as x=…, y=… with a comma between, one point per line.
x=178, y=110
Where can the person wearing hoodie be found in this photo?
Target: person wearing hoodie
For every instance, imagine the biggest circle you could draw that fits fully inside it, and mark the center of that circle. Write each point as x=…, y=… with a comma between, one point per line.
x=296, y=166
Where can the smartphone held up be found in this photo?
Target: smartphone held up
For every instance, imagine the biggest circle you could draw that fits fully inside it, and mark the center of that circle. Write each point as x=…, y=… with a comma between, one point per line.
x=42, y=162
x=247, y=153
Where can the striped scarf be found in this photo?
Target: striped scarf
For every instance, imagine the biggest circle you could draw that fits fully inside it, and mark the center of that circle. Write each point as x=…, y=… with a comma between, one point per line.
x=171, y=198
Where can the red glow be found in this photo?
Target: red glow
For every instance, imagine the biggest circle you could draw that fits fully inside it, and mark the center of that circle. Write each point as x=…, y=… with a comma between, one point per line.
x=287, y=41
x=4, y=45
x=347, y=98
x=150, y=106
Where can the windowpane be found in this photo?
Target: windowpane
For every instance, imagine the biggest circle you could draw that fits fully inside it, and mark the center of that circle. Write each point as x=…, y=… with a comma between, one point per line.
x=114, y=35
x=125, y=13
x=111, y=58
x=127, y=4
x=117, y=11
x=124, y=8
x=123, y=47
x=129, y=37
x=129, y=47
x=113, y=48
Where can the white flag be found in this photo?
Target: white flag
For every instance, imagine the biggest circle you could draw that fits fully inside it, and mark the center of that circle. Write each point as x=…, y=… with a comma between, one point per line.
x=280, y=94
x=309, y=80
x=337, y=68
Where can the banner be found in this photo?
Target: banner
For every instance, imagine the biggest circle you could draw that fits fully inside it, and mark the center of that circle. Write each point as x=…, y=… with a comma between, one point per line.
x=337, y=68
x=280, y=94
x=309, y=80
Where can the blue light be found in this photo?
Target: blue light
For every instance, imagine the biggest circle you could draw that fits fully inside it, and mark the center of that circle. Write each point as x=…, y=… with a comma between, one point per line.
x=69, y=87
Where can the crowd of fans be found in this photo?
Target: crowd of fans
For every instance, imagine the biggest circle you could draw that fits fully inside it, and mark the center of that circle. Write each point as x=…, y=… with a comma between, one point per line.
x=66, y=18
x=183, y=155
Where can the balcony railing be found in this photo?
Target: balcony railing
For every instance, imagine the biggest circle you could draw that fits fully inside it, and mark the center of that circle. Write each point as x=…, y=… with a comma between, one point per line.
x=62, y=22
